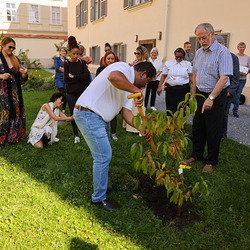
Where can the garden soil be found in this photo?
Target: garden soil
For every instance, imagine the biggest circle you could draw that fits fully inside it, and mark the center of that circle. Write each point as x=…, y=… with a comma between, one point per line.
x=156, y=199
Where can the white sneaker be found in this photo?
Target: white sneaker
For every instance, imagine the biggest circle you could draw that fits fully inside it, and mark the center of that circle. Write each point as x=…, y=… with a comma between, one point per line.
x=114, y=137
x=140, y=134
x=153, y=108
x=77, y=139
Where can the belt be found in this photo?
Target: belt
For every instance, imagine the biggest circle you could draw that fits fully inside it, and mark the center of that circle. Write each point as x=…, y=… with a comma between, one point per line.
x=78, y=107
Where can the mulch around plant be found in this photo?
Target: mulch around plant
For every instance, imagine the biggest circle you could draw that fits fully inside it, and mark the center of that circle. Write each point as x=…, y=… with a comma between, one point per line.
x=156, y=200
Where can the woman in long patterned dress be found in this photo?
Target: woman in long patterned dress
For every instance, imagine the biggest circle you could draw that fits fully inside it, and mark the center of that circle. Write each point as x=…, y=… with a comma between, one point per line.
x=12, y=113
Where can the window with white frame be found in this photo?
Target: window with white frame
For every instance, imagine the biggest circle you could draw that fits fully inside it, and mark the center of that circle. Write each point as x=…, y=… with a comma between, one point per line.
x=132, y=3
x=95, y=53
x=11, y=13
x=82, y=13
x=34, y=15
x=98, y=9
x=121, y=51
x=55, y=15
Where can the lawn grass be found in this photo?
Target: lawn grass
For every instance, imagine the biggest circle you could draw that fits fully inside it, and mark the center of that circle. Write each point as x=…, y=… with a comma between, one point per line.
x=45, y=198
x=41, y=73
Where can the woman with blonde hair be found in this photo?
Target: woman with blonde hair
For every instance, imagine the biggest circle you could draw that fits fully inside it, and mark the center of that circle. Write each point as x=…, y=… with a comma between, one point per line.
x=141, y=55
x=244, y=60
x=12, y=75
x=108, y=59
x=153, y=85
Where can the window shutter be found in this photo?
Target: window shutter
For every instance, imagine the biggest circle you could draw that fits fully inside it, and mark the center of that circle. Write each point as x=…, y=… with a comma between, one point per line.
x=98, y=54
x=125, y=4
x=103, y=8
x=147, y=1
x=123, y=56
x=77, y=15
x=193, y=42
x=226, y=37
x=92, y=11
x=85, y=12
x=90, y=52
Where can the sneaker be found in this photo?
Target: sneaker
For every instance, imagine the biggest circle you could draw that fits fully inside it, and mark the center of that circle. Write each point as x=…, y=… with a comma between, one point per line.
x=236, y=115
x=106, y=205
x=140, y=134
x=114, y=137
x=153, y=108
x=77, y=139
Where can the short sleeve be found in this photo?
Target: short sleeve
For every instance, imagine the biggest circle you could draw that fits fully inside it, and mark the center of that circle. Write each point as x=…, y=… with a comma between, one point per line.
x=165, y=69
x=128, y=104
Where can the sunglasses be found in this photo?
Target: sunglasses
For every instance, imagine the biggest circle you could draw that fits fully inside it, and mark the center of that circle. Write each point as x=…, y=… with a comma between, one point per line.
x=137, y=53
x=107, y=50
x=11, y=47
x=179, y=57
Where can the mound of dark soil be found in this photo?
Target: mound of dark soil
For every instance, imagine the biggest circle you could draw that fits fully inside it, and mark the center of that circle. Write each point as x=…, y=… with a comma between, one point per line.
x=156, y=199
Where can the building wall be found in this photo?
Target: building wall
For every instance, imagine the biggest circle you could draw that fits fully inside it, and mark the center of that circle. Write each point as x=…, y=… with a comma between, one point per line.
x=119, y=26
x=40, y=37
x=147, y=20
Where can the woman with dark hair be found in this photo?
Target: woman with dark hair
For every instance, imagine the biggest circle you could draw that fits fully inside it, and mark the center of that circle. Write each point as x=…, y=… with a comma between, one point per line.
x=108, y=59
x=178, y=73
x=44, y=128
x=12, y=75
x=107, y=47
x=77, y=78
x=58, y=62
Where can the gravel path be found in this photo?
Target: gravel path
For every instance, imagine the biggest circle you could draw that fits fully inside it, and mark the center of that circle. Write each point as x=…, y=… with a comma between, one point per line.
x=238, y=128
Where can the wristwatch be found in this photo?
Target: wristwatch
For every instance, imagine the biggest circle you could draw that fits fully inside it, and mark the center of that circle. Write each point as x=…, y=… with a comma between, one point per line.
x=211, y=97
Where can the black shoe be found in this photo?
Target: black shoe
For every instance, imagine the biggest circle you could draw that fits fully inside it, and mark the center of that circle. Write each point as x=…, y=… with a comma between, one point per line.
x=2, y=146
x=236, y=115
x=224, y=137
x=106, y=205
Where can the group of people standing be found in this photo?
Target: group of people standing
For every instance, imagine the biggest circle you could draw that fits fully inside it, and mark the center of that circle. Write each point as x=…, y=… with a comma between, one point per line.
x=211, y=73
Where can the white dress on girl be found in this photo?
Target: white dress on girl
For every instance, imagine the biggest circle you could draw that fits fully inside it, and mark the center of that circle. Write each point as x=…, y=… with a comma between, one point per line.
x=44, y=124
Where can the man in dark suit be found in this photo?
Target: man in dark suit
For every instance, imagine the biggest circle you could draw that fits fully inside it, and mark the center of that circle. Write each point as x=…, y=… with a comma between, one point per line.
x=231, y=90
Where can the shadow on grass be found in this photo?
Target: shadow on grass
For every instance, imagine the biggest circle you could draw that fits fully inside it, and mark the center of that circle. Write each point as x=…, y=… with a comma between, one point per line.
x=66, y=169
x=78, y=244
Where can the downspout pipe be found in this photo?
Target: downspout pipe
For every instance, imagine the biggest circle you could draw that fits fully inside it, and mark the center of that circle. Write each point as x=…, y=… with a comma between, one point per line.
x=166, y=34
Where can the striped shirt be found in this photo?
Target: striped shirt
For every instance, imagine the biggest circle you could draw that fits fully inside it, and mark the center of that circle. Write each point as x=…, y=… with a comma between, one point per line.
x=210, y=64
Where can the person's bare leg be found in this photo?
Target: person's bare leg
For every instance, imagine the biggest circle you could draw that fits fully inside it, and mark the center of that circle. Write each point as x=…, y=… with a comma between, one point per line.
x=39, y=144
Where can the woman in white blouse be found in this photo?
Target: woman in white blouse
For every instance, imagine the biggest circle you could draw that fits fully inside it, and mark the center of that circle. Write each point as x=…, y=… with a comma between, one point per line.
x=152, y=86
x=178, y=73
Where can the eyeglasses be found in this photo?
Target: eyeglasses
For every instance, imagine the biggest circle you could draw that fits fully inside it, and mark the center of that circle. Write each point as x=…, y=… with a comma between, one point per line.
x=137, y=53
x=179, y=57
x=11, y=47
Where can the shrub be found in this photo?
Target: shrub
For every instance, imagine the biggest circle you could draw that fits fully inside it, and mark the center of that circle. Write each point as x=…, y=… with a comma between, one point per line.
x=23, y=56
x=165, y=162
x=36, y=83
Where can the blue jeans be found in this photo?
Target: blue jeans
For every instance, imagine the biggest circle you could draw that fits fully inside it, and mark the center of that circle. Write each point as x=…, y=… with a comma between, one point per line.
x=237, y=98
x=96, y=133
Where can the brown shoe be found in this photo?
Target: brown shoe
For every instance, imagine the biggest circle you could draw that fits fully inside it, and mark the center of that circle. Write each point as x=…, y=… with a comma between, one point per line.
x=208, y=168
x=190, y=160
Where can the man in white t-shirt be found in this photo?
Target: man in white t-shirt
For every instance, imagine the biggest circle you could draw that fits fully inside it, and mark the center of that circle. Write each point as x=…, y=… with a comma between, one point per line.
x=104, y=98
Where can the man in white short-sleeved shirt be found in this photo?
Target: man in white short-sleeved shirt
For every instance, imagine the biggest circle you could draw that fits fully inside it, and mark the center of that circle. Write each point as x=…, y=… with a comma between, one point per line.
x=104, y=98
